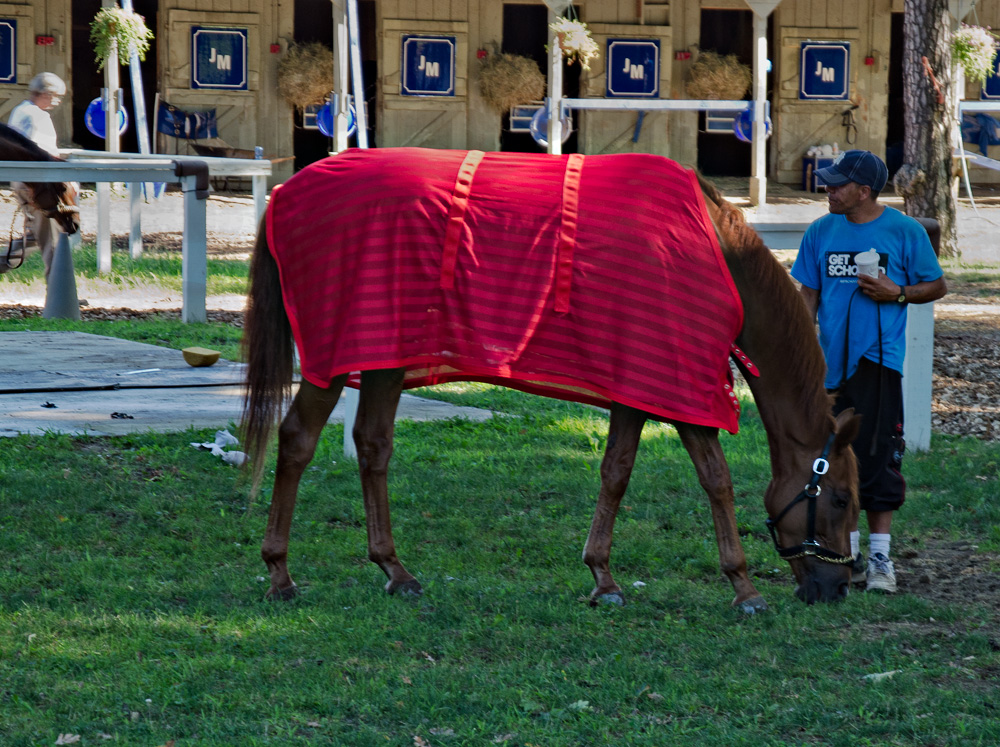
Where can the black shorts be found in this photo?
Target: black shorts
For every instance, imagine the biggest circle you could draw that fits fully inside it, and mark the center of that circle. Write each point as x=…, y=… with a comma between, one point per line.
x=876, y=393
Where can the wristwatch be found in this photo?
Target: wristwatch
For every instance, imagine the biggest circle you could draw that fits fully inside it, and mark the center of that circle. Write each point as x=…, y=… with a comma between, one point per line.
x=902, y=294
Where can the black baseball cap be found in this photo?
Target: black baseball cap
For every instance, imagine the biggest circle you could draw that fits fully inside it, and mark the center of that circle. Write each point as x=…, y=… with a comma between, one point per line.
x=860, y=166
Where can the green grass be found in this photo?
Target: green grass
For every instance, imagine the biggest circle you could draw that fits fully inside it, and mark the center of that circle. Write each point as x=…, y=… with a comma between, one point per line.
x=155, y=269
x=132, y=600
x=131, y=607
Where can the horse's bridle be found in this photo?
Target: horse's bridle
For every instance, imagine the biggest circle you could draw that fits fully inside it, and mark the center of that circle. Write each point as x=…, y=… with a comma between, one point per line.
x=809, y=493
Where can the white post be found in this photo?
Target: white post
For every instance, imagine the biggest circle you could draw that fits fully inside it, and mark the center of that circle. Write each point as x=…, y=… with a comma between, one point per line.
x=555, y=133
x=758, y=139
x=350, y=415
x=351, y=395
x=918, y=370
x=194, y=260
x=357, y=81
x=135, y=219
x=103, y=227
x=141, y=125
x=110, y=96
x=259, y=185
x=341, y=74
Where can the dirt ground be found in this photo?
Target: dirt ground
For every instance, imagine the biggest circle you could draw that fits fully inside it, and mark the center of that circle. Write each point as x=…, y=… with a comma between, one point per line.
x=966, y=398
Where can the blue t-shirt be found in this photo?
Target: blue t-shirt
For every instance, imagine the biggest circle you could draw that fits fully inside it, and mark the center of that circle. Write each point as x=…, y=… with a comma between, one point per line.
x=825, y=262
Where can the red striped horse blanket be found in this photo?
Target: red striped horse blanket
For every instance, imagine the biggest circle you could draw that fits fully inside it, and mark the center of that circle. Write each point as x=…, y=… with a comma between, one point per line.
x=595, y=279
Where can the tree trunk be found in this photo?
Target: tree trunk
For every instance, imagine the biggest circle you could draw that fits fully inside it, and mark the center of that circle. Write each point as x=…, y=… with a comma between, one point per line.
x=926, y=181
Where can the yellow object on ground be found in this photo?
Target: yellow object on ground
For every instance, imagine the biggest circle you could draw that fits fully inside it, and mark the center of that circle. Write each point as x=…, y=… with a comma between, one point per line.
x=200, y=356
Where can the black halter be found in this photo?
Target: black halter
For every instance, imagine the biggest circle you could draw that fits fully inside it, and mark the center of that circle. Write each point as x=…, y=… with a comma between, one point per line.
x=809, y=493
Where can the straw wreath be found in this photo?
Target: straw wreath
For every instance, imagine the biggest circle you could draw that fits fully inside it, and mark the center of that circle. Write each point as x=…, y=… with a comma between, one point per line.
x=507, y=80
x=716, y=77
x=305, y=74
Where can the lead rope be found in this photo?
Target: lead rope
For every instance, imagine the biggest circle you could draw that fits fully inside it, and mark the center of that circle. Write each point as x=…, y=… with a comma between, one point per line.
x=843, y=377
x=10, y=241
x=847, y=339
x=881, y=379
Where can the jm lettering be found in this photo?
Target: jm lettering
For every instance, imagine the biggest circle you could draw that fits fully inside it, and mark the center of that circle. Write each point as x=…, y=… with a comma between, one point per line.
x=428, y=68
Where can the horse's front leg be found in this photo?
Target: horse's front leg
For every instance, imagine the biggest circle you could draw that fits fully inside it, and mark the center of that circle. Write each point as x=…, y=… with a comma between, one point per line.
x=702, y=443
x=616, y=469
x=373, y=432
x=297, y=439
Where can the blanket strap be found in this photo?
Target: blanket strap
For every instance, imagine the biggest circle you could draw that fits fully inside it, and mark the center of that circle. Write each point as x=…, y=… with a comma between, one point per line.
x=456, y=216
x=743, y=360
x=567, y=231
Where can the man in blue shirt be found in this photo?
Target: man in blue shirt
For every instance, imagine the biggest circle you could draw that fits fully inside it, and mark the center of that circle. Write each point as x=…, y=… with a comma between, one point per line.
x=862, y=329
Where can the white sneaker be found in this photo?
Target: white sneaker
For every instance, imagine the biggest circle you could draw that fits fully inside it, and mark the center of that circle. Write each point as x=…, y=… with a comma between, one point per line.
x=881, y=574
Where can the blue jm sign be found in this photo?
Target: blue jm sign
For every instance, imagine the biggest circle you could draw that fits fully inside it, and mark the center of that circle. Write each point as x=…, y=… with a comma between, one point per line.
x=824, y=70
x=8, y=50
x=428, y=65
x=218, y=58
x=991, y=89
x=633, y=68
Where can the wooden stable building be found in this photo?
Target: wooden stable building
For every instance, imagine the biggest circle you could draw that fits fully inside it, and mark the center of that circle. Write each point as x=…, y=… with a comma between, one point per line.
x=858, y=40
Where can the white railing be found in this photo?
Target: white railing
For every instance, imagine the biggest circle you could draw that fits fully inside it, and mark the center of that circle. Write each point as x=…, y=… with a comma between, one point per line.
x=257, y=169
x=654, y=105
x=192, y=175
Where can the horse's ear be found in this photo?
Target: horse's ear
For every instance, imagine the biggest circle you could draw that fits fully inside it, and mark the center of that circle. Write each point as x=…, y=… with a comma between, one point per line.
x=848, y=425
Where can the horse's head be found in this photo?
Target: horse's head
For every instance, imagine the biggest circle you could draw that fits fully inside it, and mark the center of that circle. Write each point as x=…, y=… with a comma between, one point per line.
x=58, y=200
x=812, y=512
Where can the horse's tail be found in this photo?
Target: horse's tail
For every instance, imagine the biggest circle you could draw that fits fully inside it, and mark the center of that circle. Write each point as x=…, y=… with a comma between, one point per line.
x=267, y=349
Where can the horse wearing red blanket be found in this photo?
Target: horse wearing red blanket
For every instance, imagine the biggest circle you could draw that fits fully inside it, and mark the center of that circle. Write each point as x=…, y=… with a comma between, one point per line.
x=610, y=280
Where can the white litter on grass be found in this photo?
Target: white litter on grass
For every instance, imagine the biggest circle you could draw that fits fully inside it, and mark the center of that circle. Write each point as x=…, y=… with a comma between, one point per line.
x=224, y=438
x=638, y=584
x=879, y=676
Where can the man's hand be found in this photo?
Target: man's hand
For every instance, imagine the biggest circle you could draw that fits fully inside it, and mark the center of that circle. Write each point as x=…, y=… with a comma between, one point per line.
x=879, y=289
x=883, y=289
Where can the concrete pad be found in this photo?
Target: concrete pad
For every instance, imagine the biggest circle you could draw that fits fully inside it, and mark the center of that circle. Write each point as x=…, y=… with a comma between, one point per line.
x=73, y=383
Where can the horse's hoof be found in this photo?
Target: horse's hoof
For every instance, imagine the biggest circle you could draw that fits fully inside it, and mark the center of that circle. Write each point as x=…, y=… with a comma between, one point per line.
x=610, y=599
x=282, y=595
x=411, y=588
x=752, y=606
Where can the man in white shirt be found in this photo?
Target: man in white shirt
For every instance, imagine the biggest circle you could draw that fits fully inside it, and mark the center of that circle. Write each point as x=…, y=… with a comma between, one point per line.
x=32, y=119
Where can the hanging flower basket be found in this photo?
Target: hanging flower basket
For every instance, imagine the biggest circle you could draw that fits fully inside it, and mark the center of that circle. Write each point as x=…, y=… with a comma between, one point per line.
x=507, y=80
x=575, y=41
x=305, y=75
x=975, y=49
x=719, y=78
x=116, y=31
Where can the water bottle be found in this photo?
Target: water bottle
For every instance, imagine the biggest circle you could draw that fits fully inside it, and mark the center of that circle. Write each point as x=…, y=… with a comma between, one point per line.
x=258, y=152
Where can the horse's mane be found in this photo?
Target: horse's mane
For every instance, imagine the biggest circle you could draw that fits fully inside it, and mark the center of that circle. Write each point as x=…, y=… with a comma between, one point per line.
x=12, y=141
x=762, y=270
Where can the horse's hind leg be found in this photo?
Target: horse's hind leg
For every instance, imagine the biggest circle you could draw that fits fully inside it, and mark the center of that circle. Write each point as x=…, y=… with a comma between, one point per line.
x=297, y=439
x=702, y=444
x=616, y=469
x=373, y=432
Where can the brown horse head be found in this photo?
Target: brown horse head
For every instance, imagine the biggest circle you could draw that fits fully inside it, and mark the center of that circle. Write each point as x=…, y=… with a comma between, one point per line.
x=57, y=200
x=812, y=512
x=814, y=472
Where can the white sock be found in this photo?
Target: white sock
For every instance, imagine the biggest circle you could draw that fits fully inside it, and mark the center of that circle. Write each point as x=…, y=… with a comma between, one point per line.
x=879, y=543
x=855, y=543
